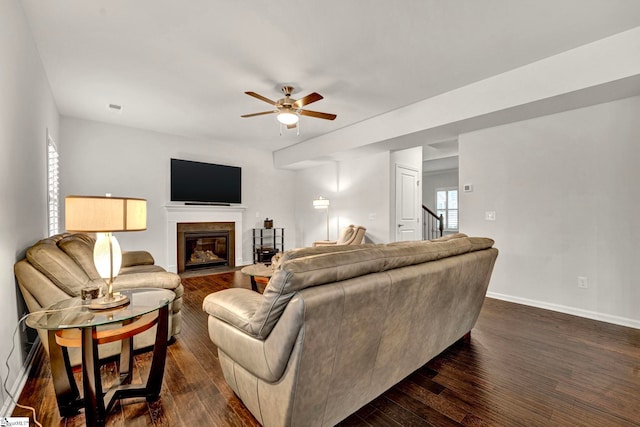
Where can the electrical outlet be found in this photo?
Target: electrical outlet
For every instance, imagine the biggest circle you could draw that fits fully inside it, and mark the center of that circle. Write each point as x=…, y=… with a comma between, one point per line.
x=373, y=216
x=583, y=283
x=490, y=216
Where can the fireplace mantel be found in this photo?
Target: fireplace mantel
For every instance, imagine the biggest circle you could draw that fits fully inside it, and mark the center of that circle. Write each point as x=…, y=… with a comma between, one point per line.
x=179, y=212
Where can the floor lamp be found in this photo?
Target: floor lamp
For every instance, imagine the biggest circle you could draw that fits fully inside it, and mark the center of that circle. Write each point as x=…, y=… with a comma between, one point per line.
x=103, y=216
x=322, y=203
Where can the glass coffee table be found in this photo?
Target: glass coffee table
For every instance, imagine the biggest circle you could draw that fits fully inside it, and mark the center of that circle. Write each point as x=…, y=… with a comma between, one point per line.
x=71, y=323
x=257, y=270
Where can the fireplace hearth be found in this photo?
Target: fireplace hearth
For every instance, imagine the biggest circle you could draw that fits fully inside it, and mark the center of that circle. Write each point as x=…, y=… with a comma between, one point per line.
x=205, y=245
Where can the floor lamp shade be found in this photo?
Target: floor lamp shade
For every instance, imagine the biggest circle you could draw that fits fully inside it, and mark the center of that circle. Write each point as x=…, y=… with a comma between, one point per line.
x=104, y=215
x=321, y=203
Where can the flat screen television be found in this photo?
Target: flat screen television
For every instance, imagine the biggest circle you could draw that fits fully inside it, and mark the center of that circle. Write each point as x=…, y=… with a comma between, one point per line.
x=206, y=183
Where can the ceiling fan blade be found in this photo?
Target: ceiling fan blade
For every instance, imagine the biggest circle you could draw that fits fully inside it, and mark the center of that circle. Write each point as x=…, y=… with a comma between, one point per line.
x=318, y=115
x=260, y=114
x=262, y=98
x=293, y=126
x=312, y=97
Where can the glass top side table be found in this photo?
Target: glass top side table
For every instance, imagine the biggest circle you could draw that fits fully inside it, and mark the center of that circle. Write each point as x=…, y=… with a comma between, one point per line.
x=70, y=323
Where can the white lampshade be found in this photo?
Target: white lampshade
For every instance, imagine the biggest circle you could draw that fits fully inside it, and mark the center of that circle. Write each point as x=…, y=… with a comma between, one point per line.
x=104, y=215
x=99, y=214
x=288, y=118
x=321, y=203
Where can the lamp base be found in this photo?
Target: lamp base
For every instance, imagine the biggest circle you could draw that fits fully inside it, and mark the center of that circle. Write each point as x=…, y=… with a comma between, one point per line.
x=105, y=303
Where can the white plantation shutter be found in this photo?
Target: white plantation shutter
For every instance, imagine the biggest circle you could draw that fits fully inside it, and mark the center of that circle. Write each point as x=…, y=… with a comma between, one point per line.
x=447, y=206
x=53, y=204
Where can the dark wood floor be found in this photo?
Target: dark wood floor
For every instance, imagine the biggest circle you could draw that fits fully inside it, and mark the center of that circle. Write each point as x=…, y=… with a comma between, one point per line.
x=522, y=367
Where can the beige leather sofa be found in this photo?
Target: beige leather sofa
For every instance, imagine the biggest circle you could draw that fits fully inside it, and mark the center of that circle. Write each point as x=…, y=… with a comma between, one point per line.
x=336, y=328
x=58, y=267
x=350, y=235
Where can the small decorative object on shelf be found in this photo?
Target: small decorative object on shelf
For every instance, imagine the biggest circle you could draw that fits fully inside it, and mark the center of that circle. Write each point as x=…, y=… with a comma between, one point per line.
x=268, y=223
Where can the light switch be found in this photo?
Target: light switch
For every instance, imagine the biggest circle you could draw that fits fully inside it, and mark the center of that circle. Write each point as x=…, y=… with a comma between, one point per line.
x=490, y=215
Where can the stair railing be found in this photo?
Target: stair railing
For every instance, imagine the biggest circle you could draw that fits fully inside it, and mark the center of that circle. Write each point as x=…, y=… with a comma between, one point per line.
x=432, y=224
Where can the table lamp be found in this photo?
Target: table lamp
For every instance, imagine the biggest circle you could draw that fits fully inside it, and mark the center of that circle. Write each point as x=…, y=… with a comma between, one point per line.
x=104, y=215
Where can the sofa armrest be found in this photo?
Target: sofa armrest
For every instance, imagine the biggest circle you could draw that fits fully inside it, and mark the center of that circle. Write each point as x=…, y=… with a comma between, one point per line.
x=131, y=258
x=230, y=310
x=156, y=279
x=325, y=243
x=234, y=306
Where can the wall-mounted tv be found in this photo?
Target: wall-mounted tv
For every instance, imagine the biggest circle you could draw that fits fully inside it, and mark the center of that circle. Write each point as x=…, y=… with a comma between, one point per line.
x=198, y=182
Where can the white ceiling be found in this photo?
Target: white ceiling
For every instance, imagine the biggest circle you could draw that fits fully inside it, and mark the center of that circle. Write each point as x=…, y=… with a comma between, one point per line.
x=182, y=67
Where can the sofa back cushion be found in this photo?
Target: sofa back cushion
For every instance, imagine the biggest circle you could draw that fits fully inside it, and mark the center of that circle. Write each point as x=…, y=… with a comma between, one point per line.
x=297, y=273
x=56, y=265
x=282, y=257
x=79, y=247
x=346, y=234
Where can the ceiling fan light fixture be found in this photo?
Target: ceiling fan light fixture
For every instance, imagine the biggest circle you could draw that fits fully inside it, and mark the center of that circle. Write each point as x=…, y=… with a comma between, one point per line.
x=288, y=118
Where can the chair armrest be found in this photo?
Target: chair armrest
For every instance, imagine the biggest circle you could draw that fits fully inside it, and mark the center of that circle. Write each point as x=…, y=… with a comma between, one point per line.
x=325, y=242
x=131, y=258
x=234, y=306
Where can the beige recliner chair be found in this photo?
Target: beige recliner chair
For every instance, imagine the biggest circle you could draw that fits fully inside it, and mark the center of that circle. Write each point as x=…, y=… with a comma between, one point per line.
x=350, y=235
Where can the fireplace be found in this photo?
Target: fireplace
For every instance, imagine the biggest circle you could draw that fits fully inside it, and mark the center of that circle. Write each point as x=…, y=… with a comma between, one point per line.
x=205, y=244
x=206, y=249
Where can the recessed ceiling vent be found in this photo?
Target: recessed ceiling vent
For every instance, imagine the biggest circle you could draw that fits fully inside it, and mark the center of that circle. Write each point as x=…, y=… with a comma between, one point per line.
x=114, y=108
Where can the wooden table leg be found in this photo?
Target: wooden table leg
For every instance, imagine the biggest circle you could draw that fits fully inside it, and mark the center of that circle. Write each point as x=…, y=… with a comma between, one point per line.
x=67, y=393
x=94, y=409
x=156, y=372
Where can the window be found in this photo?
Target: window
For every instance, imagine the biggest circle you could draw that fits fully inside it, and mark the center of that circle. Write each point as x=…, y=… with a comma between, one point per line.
x=447, y=206
x=52, y=186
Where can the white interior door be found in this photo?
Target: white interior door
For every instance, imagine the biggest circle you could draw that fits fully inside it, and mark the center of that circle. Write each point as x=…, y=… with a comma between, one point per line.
x=407, y=201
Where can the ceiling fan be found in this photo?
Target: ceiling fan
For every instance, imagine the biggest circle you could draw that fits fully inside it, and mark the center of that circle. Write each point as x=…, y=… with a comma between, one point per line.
x=288, y=109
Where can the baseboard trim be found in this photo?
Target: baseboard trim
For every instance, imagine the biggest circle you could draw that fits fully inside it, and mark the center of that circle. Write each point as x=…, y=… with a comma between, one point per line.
x=593, y=315
x=8, y=406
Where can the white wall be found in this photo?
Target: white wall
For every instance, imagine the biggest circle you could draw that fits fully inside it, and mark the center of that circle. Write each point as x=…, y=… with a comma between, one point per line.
x=434, y=180
x=358, y=191
x=98, y=158
x=565, y=189
x=27, y=110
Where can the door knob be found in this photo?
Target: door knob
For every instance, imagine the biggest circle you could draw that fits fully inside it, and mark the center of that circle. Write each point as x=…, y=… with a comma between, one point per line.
x=400, y=225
